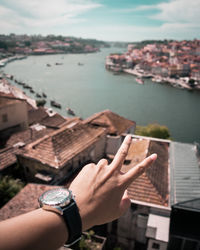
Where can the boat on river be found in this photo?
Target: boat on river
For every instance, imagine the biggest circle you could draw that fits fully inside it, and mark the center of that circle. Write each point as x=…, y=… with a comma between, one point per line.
x=139, y=80
x=70, y=111
x=55, y=104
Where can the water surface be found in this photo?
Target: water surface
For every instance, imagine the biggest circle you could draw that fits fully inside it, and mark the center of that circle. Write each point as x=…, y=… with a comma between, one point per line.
x=90, y=88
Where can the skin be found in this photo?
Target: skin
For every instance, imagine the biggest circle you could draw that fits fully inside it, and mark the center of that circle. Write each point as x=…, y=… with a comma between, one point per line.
x=100, y=193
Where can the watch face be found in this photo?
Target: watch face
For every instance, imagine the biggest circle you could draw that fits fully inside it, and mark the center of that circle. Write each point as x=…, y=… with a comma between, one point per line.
x=58, y=196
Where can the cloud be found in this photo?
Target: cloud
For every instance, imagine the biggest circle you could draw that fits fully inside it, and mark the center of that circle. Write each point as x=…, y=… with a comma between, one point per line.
x=135, y=9
x=17, y=15
x=132, y=33
x=179, y=19
x=179, y=11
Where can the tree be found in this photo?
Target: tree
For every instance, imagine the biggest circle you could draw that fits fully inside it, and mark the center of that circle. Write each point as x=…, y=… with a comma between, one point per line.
x=9, y=187
x=153, y=130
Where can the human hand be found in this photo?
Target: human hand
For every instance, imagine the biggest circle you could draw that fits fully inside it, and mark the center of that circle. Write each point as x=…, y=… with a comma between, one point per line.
x=100, y=190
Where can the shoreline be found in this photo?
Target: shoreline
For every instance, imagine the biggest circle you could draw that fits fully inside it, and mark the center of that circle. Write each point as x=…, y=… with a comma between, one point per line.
x=181, y=82
x=177, y=83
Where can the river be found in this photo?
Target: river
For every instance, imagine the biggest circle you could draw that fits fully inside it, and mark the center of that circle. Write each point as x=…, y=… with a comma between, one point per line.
x=89, y=88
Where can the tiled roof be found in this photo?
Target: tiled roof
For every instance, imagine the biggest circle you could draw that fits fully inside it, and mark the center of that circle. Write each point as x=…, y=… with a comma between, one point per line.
x=114, y=123
x=152, y=185
x=57, y=121
x=7, y=157
x=7, y=100
x=41, y=116
x=8, y=154
x=25, y=201
x=62, y=145
x=36, y=115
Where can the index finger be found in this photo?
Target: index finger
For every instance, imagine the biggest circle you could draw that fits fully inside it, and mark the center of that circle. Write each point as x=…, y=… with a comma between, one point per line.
x=122, y=153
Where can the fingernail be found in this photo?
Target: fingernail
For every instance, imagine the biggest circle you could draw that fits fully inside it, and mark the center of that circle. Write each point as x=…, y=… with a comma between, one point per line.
x=128, y=138
x=153, y=157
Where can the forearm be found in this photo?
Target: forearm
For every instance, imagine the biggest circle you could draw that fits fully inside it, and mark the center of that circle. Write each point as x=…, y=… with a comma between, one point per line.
x=38, y=229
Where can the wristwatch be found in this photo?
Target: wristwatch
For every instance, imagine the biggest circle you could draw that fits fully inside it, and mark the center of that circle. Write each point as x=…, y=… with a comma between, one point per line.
x=61, y=201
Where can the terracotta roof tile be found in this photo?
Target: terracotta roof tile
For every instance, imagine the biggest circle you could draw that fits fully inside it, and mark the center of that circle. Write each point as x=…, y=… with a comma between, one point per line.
x=8, y=154
x=53, y=121
x=151, y=186
x=114, y=123
x=36, y=115
x=60, y=146
x=25, y=201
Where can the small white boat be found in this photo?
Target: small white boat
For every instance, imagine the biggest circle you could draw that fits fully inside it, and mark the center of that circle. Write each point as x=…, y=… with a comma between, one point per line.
x=139, y=80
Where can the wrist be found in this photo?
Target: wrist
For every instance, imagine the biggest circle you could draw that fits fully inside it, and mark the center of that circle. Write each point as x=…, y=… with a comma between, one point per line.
x=61, y=201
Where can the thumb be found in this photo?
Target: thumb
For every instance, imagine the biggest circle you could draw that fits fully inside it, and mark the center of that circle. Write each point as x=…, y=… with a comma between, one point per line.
x=125, y=203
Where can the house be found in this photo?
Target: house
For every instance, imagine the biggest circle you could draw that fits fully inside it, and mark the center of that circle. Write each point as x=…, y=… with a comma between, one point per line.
x=54, y=158
x=38, y=122
x=13, y=115
x=14, y=143
x=140, y=227
x=185, y=192
x=115, y=126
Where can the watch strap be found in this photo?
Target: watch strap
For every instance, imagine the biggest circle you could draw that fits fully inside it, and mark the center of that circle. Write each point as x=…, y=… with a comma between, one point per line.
x=73, y=220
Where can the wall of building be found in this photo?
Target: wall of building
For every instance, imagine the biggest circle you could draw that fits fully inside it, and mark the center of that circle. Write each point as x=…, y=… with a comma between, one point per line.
x=32, y=167
x=113, y=144
x=91, y=154
x=14, y=114
x=132, y=227
x=154, y=244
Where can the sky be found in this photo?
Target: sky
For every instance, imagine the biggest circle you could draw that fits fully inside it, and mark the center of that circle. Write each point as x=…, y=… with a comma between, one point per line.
x=108, y=20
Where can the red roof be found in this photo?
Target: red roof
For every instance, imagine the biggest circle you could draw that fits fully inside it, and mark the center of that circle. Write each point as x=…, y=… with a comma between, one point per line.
x=152, y=185
x=25, y=201
x=114, y=123
x=62, y=145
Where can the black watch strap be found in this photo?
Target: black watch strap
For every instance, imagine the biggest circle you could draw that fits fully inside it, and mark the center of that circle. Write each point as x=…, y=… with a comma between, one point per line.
x=73, y=220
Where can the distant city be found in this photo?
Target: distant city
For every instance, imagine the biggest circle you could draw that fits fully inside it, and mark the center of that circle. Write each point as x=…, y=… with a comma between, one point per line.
x=174, y=62
x=169, y=61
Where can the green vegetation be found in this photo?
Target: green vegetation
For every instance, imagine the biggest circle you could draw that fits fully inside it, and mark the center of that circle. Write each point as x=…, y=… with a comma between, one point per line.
x=40, y=103
x=88, y=242
x=153, y=130
x=9, y=187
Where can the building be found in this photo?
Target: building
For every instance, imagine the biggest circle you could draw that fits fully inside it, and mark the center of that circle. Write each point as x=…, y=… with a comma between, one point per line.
x=13, y=115
x=185, y=193
x=38, y=124
x=115, y=126
x=168, y=188
x=141, y=227
x=54, y=158
x=8, y=159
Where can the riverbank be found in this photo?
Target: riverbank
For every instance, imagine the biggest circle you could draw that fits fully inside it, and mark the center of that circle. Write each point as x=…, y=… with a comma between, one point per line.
x=177, y=83
x=6, y=60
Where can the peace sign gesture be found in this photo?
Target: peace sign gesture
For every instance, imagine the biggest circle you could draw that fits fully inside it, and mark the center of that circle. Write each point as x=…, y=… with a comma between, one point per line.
x=100, y=189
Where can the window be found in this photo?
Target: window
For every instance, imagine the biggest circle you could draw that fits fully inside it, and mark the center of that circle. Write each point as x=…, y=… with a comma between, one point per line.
x=4, y=118
x=155, y=245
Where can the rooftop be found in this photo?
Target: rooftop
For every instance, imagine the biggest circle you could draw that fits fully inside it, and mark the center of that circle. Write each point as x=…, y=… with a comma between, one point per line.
x=114, y=123
x=63, y=144
x=25, y=201
x=185, y=184
x=14, y=143
x=152, y=185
